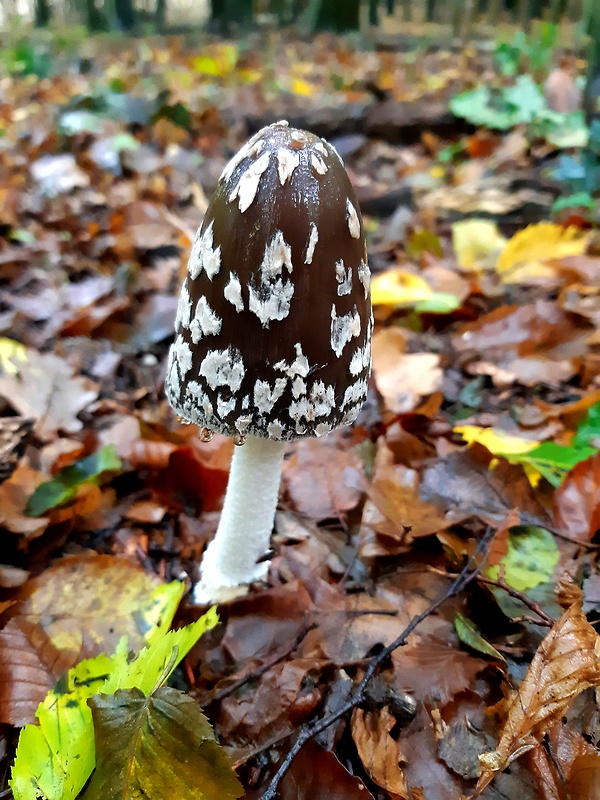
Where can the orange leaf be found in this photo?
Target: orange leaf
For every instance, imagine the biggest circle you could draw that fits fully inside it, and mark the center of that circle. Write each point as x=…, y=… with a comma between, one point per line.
x=378, y=751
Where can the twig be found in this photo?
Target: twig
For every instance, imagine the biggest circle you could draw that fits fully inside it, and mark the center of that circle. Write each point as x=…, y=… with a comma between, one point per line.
x=213, y=697
x=313, y=729
x=544, y=619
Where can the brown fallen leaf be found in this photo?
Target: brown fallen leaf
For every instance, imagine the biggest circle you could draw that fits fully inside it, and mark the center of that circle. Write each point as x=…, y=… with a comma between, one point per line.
x=566, y=765
x=378, y=751
x=577, y=501
x=403, y=378
x=30, y=664
x=316, y=774
x=14, y=494
x=46, y=389
x=394, y=514
x=566, y=663
x=322, y=479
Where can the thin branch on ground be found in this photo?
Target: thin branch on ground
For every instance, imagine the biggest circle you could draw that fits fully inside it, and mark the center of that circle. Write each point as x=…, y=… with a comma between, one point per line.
x=214, y=696
x=544, y=619
x=466, y=575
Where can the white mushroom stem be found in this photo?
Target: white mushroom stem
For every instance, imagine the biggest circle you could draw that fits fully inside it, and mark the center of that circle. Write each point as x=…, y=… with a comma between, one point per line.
x=244, y=530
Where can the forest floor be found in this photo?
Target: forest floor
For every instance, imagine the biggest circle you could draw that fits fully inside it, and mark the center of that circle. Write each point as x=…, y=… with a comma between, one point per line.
x=477, y=449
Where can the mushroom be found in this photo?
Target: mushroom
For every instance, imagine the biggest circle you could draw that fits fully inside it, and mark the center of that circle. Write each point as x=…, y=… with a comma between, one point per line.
x=273, y=330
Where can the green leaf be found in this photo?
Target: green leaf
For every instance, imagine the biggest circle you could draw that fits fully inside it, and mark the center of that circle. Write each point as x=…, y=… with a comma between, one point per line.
x=526, y=97
x=577, y=200
x=588, y=433
x=531, y=558
x=150, y=664
x=63, y=487
x=469, y=635
x=553, y=461
x=438, y=303
x=157, y=747
x=55, y=758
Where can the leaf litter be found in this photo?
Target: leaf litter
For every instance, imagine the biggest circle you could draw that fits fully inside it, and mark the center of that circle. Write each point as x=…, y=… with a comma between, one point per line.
x=486, y=322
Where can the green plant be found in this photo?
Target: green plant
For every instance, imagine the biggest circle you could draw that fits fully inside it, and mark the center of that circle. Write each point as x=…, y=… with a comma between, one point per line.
x=113, y=718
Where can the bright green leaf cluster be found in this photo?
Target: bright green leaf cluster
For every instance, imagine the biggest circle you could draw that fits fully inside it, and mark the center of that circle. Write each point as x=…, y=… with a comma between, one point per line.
x=55, y=758
x=554, y=461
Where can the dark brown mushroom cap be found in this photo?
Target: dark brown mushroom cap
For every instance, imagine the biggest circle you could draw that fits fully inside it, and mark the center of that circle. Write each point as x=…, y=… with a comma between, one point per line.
x=273, y=330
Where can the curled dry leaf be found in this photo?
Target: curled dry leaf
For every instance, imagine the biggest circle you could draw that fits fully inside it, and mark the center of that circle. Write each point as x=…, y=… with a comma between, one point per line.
x=403, y=378
x=378, y=751
x=566, y=663
x=14, y=495
x=394, y=514
x=566, y=765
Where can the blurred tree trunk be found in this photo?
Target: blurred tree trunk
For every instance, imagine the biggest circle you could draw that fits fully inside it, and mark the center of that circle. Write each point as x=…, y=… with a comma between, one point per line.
x=373, y=12
x=339, y=17
x=225, y=12
x=42, y=12
x=94, y=18
x=160, y=16
x=430, y=11
x=126, y=15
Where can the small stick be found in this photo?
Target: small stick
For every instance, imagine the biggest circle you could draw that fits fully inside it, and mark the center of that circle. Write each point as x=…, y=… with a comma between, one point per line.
x=213, y=697
x=313, y=729
x=500, y=583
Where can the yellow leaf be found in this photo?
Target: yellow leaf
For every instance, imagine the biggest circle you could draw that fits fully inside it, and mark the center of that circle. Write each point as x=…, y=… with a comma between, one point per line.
x=498, y=442
x=476, y=243
x=301, y=87
x=397, y=287
x=10, y=352
x=525, y=254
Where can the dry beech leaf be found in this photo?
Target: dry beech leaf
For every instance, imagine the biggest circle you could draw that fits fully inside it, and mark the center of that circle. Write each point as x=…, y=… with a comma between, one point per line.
x=566, y=762
x=567, y=592
x=29, y=666
x=394, y=514
x=565, y=664
x=322, y=479
x=47, y=390
x=577, y=501
x=378, y=751
x=316, y=774
x=403, y=378
x=14, y=494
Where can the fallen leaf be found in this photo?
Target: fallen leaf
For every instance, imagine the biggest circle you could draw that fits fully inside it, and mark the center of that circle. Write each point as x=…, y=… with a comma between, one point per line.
x=395, y=515
x=403, y=378
x=30, y=665
x=85, y=604
x=577, y=501
x=316, y=774
x=46, y=389
x=378, y=751
x=527, y=252
x=14, y=496
x=565, y=664
x=322, y=479
x=477, y=243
